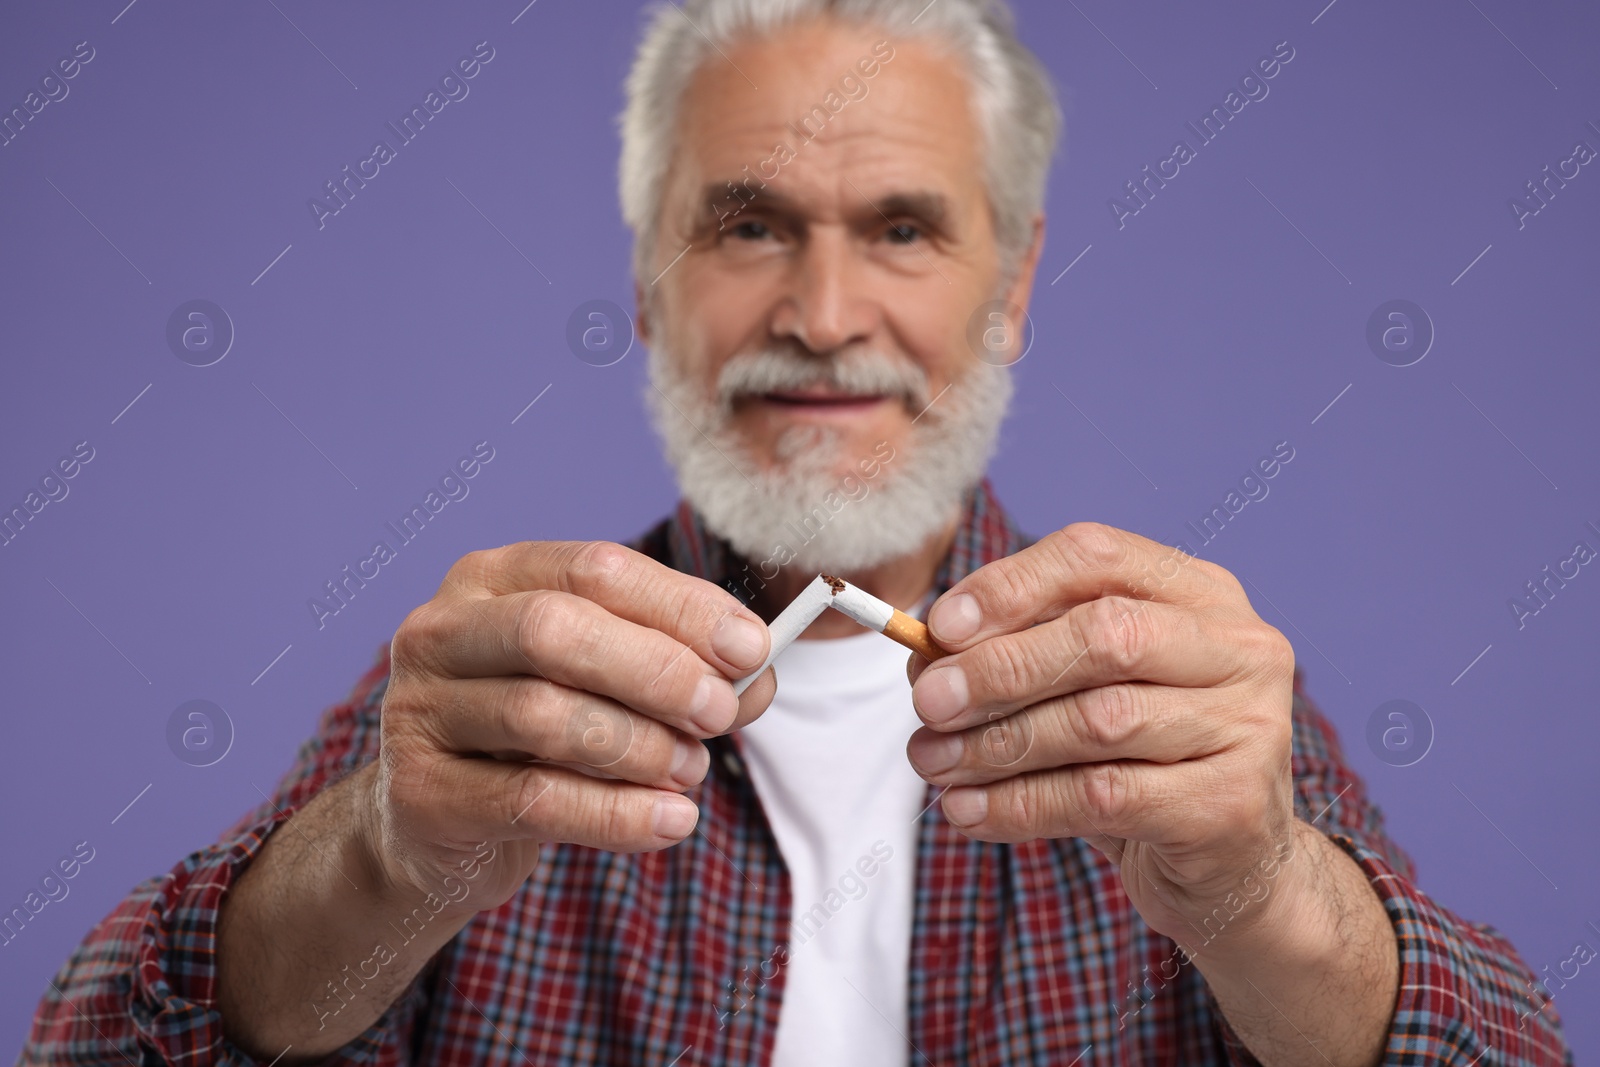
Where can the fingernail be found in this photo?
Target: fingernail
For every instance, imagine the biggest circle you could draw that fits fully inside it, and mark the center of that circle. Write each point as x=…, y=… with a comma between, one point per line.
x=739, y=641
x=674, y=817
x=954, y=619
x=713, y=707
x=940, y=693
x=965, y=806
x=686, y=769
x=935, y=753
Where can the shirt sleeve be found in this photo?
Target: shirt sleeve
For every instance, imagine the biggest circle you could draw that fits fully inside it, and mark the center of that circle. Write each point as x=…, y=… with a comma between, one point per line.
x=1465, y=995
x=141, y=987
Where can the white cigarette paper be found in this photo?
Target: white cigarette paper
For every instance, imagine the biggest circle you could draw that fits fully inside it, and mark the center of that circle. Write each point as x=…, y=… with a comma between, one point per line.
x=863, y=607
x=790, y=624
x=857, y=604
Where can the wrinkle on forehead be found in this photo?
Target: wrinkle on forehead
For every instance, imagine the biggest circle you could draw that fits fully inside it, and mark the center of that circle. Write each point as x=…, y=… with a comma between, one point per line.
x=914, y=124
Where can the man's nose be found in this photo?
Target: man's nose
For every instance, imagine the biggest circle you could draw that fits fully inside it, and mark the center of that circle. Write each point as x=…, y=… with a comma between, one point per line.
x=826, y=305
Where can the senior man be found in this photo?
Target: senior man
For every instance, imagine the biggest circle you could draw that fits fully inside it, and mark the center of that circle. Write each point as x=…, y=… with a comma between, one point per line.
x=1107, y=828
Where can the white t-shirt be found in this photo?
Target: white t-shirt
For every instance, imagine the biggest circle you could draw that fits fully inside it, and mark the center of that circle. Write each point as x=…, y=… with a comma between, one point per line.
x=828, y=760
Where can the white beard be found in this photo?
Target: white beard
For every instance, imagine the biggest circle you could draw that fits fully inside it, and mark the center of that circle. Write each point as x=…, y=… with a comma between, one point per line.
x=855, y=522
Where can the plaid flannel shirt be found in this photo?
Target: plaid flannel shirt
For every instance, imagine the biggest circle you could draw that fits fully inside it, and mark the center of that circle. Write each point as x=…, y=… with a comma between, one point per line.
x=1025, y=954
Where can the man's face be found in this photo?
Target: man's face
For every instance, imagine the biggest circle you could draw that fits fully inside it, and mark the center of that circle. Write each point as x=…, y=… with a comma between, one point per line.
x=876, y=233
x=812, y=319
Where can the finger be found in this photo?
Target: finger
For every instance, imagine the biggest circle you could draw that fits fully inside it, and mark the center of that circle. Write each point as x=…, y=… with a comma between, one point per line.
x=488, y=799
x=630, y=585
x=916, y=663
x=1109, y=640
x=531, y=718
x=756, y=698
x=573, y=642
x=1154, y=803
x=1069, y=567
x=1130, y=720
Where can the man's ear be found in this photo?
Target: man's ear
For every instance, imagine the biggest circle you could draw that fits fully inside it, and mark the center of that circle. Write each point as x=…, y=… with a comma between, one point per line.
x=1022, y=284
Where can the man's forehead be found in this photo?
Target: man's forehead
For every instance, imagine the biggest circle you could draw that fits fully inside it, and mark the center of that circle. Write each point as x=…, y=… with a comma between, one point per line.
x=911, y=116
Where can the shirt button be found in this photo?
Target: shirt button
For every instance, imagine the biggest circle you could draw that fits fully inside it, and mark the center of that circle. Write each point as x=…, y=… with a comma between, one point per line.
x=730, y=760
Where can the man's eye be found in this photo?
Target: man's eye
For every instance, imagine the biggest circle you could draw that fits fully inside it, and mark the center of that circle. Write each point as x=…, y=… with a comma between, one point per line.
x=903, y=233
x=753, y=231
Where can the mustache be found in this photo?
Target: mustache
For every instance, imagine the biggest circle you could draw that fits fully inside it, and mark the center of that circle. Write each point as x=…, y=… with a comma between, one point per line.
x=854, y=371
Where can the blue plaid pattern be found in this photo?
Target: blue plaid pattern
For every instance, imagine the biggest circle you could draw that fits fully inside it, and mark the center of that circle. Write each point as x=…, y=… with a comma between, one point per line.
x=1020, y=954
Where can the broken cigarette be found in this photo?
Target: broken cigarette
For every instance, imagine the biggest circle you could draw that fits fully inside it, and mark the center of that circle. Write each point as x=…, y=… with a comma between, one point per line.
x=825, y=592
x=877, y=615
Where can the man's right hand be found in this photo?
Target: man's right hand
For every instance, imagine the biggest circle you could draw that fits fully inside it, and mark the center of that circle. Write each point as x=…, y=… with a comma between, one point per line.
x=550, y=691
x=554, y=691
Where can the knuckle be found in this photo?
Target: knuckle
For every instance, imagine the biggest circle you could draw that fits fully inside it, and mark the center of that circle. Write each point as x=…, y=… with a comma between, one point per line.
x=1008, y=593
x=542, y=619
x=424, y=717
x=1092, y=543
x=599, y=735
x=417, y=635
x=1008, y=668
x=651, y=752
x=520, y=709
x=478, y=562
x=1003, y=741
x=556, y=722
x=468, y=570
x=695, y=615
x=533, y=783
x=1107, y=793
x=599, y=569
x=1279, y=652
x=1222, y=576
x=491, y=568
x=1112, y=716
x=1267, y=653
x=1025, y=801
x=1120, y=631
x=406, y=709
x=674, y=673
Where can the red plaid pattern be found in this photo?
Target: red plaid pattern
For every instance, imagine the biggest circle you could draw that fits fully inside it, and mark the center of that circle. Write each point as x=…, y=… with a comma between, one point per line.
x=1020, y=954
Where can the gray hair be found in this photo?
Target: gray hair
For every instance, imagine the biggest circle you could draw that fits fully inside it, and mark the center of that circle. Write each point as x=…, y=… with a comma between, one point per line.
x=1014, y=101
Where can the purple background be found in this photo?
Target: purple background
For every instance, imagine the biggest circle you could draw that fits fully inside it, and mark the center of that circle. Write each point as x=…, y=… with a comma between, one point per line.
x=1194, y=338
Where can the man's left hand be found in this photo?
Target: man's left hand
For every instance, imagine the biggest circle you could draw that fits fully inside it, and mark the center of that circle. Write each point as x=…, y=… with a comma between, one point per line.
x=1105, y=686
